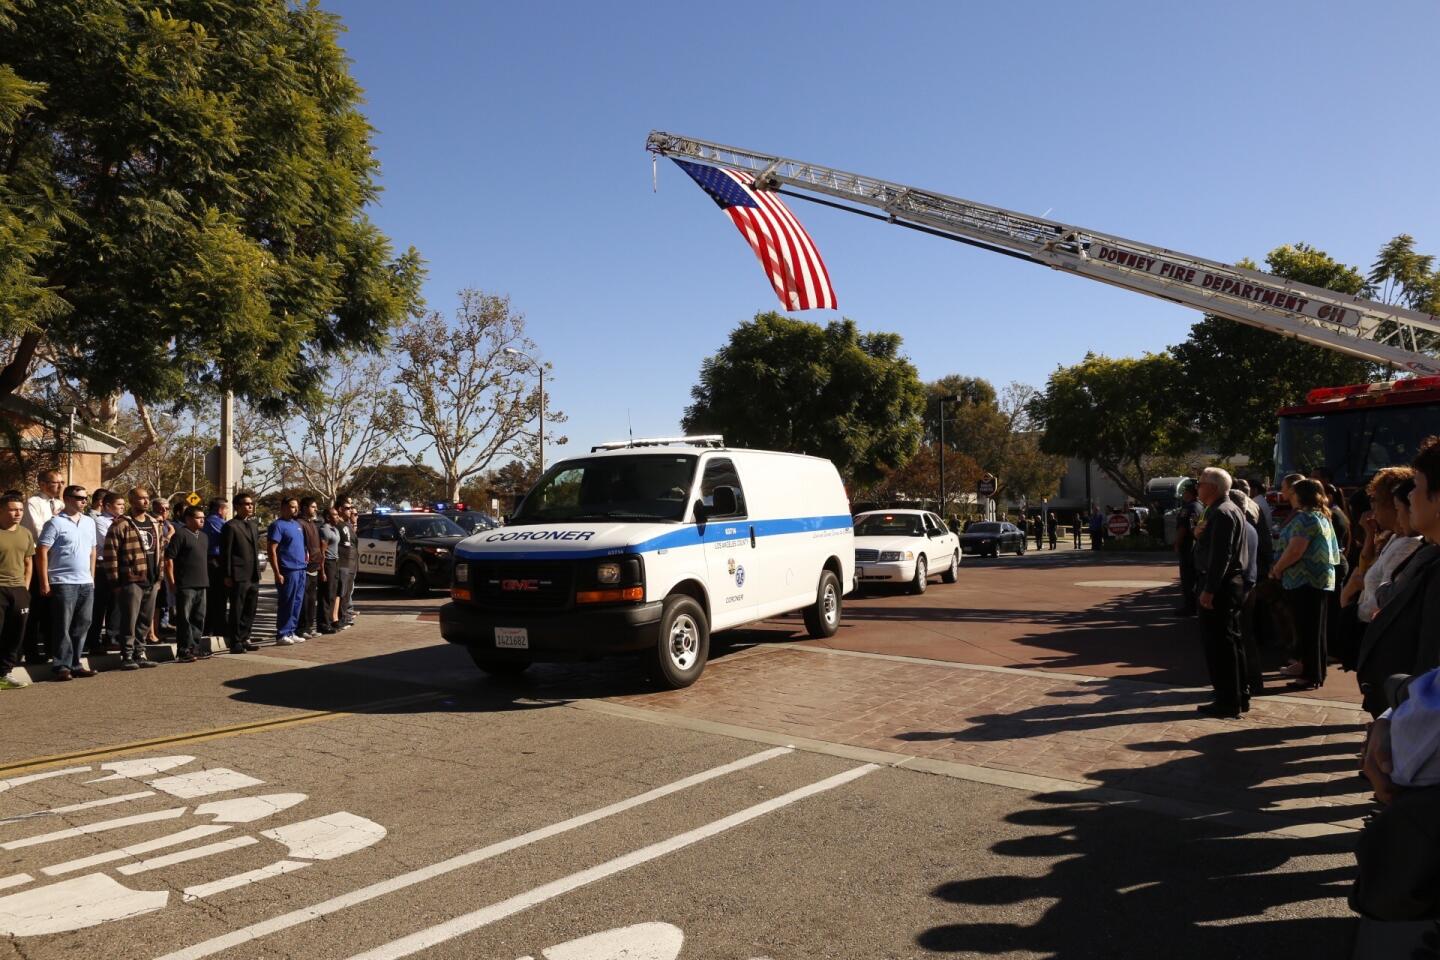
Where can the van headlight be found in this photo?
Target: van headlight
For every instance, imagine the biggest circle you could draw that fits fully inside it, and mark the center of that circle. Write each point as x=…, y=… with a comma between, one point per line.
x=462, y=573
x=607, y=573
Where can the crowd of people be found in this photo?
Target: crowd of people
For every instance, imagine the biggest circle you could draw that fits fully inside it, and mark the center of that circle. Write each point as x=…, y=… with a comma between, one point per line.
x=112, y=573
x=1324, y=580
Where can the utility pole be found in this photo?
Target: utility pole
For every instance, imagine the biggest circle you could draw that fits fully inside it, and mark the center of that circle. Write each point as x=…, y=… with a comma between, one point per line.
x=952, y=398
x=227, y=431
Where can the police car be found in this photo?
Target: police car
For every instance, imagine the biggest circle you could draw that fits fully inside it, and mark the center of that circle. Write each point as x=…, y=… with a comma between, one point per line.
x=412, y=550
x=649, y=546
x=905, y=546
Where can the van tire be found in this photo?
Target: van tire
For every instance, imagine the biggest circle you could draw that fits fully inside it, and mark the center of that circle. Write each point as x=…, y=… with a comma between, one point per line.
x=922, y=576
x=498, y=666
x=952, y=572
x=413, y=581
x=683, y=646
x=822, y=618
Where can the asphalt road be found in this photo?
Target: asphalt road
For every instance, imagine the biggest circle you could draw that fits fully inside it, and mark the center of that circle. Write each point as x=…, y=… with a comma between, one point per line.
x=410, y=807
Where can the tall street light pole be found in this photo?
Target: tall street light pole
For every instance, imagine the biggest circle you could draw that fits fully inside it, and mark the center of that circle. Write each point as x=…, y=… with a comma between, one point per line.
x=540, y=372
x=952, y=398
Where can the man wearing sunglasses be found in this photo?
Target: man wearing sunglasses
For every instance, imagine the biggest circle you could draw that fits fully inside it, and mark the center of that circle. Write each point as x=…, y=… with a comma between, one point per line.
x=240, y=547
x=65, y=572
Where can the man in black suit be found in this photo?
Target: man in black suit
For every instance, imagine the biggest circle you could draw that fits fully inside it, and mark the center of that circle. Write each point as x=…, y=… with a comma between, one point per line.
x=1221, y=561
x=240, y=560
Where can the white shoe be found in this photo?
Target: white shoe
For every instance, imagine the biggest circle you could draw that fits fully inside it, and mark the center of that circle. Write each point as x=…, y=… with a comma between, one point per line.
x=299, y=638
x=285, y=641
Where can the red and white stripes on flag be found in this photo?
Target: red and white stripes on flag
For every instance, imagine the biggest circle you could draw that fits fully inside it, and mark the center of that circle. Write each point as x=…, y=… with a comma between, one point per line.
x=786, y=252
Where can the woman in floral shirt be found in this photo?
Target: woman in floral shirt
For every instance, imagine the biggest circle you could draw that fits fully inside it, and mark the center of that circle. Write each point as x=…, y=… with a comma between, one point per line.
x=1306, y=569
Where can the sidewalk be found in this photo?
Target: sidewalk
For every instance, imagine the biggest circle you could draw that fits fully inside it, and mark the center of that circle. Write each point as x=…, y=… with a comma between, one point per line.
x=1289, y=756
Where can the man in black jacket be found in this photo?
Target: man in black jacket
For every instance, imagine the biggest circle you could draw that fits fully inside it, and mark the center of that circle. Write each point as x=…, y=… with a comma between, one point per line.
x=1220, y=552
x=240, y=560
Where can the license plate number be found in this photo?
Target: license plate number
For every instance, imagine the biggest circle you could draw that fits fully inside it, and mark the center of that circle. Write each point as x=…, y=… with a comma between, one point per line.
x=512, y=638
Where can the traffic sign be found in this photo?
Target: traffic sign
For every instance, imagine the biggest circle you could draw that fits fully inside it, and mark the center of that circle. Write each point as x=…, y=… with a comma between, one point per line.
x=193, y=498
x=1118, y=525
x=987, y=485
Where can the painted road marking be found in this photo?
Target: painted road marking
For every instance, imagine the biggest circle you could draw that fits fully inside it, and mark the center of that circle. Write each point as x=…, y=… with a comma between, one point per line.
x=100, y=827
x=77, y=807
x=1137, y=584
x=450, y=929
x=109, y=856
x=33, y=777
x=204, y=783
x=96, y=898
x=373, y=891
x=184, y=856
x=278, y=868
x=643, y=941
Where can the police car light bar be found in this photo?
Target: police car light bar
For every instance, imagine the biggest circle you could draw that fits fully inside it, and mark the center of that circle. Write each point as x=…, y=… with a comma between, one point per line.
x=706, y=440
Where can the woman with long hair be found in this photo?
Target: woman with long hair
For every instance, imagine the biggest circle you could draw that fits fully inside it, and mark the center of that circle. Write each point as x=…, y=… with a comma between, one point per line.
x=1306, y=571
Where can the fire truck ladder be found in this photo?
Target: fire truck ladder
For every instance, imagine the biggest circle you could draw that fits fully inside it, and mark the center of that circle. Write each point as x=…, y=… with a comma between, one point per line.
x=1395, y=336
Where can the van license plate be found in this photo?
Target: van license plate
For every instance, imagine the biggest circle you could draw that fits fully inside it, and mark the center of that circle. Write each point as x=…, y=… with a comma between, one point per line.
x=512, y=638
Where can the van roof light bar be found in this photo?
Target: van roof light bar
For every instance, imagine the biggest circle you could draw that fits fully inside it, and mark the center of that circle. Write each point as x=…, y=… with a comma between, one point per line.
x=705, y=440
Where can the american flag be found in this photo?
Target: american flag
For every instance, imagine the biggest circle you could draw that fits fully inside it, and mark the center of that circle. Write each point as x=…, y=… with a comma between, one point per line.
x=785, y=250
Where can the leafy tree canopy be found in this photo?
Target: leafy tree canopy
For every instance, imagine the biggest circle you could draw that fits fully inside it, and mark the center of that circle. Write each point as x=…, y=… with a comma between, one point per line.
x=185, y=179
x=831, y=391
x=395, y=484
x=1237, y=377
x=1118, y=414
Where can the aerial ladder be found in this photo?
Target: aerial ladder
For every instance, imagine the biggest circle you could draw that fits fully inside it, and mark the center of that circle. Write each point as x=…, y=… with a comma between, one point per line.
x=1381, y=333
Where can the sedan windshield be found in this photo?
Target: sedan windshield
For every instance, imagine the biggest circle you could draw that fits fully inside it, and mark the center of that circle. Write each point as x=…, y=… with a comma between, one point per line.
x=646, y=487
x=983, y=528
x=889, y=525
x=432, y=526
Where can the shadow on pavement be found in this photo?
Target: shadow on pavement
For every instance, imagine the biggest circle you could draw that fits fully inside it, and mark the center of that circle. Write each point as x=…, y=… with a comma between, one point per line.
x=1126, y=882
x=371, y=683
x=1305, y=772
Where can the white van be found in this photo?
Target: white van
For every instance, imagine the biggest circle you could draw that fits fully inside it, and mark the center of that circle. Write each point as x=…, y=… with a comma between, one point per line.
x=650, y=546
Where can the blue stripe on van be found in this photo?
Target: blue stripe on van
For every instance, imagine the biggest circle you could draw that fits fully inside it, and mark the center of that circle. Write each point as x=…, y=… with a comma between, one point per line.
x=684, y=536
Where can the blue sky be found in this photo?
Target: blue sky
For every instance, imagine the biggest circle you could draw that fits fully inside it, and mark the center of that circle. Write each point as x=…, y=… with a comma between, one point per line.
x=511, y=138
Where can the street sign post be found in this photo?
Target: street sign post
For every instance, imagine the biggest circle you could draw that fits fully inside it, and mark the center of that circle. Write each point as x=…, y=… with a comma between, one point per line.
x=988, y=485
x=192, y=498
x=1118, y=525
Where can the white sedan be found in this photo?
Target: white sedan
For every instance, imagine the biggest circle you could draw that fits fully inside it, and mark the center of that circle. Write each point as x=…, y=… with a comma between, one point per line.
x=904, y=546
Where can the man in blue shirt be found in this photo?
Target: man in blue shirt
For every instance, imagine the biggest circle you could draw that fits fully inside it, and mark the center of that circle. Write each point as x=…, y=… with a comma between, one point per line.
x=288, y=560
x=216, y=595
x=65, y=571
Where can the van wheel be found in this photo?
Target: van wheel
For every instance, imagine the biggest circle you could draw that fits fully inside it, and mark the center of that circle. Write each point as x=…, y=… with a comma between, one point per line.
x=922, y=576
x=498, y=666
x=413, y=581
x=683, y=646
x=952, y=572
x=822, y=618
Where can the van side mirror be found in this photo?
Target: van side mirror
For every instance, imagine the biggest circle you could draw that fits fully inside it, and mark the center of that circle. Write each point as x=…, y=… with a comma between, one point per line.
x=723, y=502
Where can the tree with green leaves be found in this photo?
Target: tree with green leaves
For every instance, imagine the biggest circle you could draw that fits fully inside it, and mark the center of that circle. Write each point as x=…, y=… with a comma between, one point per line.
x=1402, y=276
x=831, y=391
x=996, y=432
x=1238, y=377
x=393, y=484
x=185, y=182
x=469, y=390
x=1121, y=414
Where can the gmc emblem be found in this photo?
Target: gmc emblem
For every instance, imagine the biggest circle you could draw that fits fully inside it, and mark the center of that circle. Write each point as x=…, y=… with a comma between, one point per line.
x=520, y=586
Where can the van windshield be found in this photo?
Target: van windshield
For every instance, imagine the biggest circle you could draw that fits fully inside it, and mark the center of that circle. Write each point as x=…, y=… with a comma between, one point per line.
x=642, y=488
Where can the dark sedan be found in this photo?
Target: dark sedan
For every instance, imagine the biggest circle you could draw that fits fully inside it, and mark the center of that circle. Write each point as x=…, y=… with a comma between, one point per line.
x=991, y=538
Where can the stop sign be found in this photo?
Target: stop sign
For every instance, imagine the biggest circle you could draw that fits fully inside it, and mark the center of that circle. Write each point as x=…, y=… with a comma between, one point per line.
x=1118, y=525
